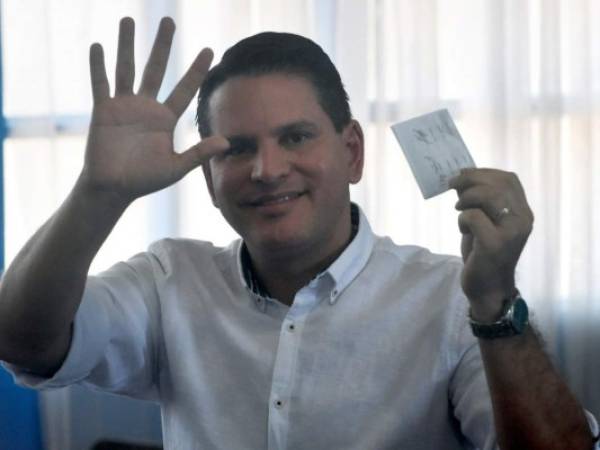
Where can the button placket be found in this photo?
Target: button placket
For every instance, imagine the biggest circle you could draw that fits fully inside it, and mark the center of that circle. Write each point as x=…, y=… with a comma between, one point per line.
x=288, y=346
x=285, y=369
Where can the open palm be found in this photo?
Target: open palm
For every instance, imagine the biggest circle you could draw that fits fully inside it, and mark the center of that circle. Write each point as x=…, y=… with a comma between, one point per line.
x=130, y=143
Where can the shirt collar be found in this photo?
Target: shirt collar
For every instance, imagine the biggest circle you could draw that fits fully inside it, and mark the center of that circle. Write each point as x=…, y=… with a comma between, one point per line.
x=354, y=257
x=342, y=271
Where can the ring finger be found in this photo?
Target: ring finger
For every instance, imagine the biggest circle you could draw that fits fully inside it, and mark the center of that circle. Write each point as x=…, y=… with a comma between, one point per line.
x=495, y=204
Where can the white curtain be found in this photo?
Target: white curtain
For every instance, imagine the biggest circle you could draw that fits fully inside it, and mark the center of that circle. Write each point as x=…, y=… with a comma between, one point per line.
x=520, y=77
x=522, y=80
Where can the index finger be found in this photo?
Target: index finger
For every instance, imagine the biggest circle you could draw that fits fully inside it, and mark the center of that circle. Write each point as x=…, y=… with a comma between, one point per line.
x=471, y=176
x=187, y=87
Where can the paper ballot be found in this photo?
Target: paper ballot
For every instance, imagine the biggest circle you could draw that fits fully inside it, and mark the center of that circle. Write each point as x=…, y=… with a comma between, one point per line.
x=434, y=149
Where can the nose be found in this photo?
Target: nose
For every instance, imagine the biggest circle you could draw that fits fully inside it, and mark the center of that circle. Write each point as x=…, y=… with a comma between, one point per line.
x=271, y=164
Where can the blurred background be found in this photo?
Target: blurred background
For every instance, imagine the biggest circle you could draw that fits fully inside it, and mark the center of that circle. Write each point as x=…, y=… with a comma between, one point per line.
x=520, y=77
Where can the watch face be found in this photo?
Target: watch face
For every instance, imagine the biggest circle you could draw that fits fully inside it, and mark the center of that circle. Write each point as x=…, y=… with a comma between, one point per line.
x=513, y=322
x=520, y=317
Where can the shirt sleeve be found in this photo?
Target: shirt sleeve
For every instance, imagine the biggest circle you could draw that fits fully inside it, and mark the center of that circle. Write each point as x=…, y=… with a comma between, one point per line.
x=115, y=334
x=470, y=397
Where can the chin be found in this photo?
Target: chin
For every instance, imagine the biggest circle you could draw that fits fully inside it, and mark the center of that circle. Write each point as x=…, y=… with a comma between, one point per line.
x=279, y=242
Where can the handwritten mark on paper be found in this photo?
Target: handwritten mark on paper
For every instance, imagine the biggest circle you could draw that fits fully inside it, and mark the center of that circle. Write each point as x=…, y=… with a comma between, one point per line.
x=434, y=150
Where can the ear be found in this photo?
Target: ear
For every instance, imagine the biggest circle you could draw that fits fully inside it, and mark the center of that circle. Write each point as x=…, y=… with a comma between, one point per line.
x=354, y=141
x=209, y=182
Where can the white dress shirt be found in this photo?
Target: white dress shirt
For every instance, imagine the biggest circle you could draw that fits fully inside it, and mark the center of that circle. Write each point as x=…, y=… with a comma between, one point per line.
x=374, y=353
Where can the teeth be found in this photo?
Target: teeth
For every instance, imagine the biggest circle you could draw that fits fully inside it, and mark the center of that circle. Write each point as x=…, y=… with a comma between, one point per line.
x=281, y=199
x=285, y=198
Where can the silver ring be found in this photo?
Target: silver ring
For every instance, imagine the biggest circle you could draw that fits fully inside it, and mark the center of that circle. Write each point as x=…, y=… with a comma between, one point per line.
x=503, y=212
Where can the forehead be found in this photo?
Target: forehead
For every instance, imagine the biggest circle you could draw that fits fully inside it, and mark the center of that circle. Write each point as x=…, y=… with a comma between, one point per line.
x=251, y=104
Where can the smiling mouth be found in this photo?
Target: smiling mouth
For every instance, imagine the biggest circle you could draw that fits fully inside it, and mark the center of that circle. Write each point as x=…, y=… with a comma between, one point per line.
x=267, y=200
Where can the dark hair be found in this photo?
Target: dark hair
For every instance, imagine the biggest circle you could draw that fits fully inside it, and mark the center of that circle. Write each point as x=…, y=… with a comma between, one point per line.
x=287, y=53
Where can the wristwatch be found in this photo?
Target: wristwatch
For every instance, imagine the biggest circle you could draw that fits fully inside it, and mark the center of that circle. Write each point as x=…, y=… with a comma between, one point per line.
x=514, y=320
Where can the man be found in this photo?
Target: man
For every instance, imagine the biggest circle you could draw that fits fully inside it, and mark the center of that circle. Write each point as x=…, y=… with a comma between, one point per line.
x=311, y=332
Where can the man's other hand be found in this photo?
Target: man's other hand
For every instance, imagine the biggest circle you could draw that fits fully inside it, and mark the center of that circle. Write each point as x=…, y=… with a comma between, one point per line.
x=495, y=222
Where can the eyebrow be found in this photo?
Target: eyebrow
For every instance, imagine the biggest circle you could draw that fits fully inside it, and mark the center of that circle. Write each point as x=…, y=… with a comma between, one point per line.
x=278, y=131
x=294, y=126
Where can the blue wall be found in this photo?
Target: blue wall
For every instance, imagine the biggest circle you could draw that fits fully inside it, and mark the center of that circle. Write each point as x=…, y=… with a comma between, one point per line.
x=19, y=410
x=19, y=416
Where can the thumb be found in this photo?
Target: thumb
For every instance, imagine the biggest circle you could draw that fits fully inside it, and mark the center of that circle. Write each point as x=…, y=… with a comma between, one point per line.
x=199, y=153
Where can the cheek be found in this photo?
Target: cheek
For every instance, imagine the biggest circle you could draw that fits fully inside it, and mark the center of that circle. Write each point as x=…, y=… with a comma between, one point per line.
x=333, y=167
x=322, y=159
x=227, y=180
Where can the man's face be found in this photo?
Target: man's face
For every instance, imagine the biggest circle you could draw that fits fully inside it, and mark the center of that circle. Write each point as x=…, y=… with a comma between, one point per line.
x=283, y=185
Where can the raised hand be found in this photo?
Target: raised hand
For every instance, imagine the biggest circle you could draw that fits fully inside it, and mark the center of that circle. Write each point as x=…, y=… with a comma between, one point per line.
x=130, y=143
x=495, y=222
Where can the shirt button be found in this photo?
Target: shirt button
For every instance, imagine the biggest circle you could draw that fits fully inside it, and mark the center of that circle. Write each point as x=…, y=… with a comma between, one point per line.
x=278, y=404
x=291, y=327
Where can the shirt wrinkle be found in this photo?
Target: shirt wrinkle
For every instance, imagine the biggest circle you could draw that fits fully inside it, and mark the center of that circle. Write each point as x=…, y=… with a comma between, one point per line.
x=158, y=350
x=387, y=370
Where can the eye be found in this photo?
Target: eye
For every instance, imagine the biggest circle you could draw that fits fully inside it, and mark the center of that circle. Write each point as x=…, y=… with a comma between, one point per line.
x=236, y=151
x=239, y=149
x=295, y=138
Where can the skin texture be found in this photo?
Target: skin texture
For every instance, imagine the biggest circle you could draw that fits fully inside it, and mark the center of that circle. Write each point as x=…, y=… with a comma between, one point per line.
x=130, y=154
x=284, y=185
